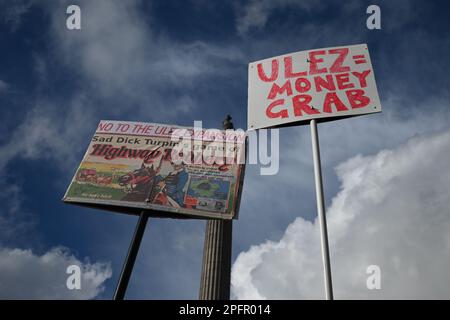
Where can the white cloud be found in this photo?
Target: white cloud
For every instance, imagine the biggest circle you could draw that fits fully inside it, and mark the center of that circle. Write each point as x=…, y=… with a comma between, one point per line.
x=12, y=14
x=392, y=210
x=43, y=134
x=3, y=86
x=16, y=225
x=255, y=13
x=118, y=53
x=293, y=195
x=25, y=275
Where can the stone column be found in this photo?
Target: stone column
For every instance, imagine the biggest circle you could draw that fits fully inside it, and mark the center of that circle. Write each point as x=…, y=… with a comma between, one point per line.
x=216, y=268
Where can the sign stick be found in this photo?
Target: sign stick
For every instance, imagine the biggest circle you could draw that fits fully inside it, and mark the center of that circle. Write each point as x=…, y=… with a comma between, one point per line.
x=321, y=211
x=131, y=257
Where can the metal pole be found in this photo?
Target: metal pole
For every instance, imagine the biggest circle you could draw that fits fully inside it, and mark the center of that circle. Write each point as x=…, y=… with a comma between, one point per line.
x=321, y=211
x=133, y=250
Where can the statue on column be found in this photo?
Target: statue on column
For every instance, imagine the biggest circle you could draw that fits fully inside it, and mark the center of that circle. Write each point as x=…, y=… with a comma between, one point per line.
x=227, y=123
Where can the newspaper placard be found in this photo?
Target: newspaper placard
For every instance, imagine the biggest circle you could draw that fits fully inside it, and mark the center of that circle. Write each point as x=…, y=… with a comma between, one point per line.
x=172, y=171
x=323, y=84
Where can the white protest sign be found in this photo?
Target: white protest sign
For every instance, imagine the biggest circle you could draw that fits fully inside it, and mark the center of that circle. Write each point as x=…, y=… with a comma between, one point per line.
x=317, y=84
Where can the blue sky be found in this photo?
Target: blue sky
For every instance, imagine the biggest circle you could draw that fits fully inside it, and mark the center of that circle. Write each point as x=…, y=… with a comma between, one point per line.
x=175, y=62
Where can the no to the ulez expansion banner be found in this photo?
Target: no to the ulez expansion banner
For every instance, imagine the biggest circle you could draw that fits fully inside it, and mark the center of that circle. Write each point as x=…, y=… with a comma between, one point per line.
x=171, y=171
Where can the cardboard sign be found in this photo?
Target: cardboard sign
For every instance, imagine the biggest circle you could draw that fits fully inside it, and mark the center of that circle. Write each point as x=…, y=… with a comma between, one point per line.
x=170, y=171
x=322, y=84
